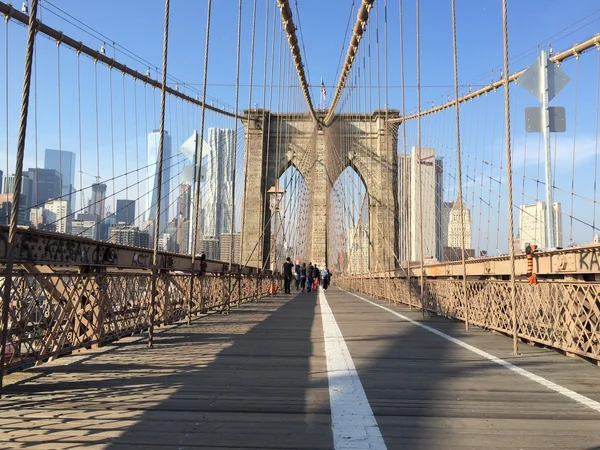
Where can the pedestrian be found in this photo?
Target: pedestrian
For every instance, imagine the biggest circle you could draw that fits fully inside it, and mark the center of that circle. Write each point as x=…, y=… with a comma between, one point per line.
x=316, y=276
x=303, y=276
x=309, y=276
x=297, y=271
x=287, y=275
x=325, y=278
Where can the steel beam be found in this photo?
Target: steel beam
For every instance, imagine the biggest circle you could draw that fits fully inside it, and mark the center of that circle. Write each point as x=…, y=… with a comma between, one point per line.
x=566, y=262
x=359, y=28
x=8, y=11
x=290, y=31
x=56, y=250
x=574, y=51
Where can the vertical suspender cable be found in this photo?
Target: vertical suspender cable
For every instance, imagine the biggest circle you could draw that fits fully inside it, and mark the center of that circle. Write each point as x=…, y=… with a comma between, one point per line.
x=198, y=169
x=161, y=144
x=406, y=172
x=235, y=144
x=247, y=141
x=418, y=159
x=14, y=214
x=511, y=249
x=459, y=168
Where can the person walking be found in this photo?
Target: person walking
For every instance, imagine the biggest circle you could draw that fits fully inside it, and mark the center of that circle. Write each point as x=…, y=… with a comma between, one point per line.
x=287, y=275
x=316, y=276
x=297, y=272
x=325, y=278
x=303, y=276
x=309, y=276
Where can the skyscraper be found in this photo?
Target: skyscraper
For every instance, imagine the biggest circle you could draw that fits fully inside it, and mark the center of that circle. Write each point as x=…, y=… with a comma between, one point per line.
x=152, y=180
x=64, y=163
x=432, y=198
x=532, y=225
x=59, y=215
x=26, y=199
x=38, y=186
x=454, y=226
x=1, y=179
x=96, y=203
x=219, y=185
x=125, y=211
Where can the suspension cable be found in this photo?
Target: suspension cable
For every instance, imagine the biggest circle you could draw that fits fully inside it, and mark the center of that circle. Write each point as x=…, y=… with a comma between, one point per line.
x=159, y=175
x=14, y=214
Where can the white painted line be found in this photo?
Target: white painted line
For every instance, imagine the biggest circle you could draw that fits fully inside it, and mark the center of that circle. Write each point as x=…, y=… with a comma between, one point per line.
x=581, y=399
x=352, y=421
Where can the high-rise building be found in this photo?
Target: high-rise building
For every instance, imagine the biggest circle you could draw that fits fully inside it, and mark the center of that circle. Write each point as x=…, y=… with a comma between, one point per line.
x=358, y=248
x=46, y=184
x=532, y=225
x=26, y=199
x=6, y=206
x=1, y=179
x=226, y=239
x=84, y=228
x=432, y=197
x=219, y=184
x=129, y=235
x=184, y=205
x=152, y=180
x=125, y=211
x=445, y=218
x=210, y=246
x=454, y=226
x=64, y=163
x=96, y=203
x=404, y=205
x=58, y=214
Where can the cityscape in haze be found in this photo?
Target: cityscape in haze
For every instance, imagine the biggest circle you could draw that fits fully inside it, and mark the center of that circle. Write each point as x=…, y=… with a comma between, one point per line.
x=48, y=200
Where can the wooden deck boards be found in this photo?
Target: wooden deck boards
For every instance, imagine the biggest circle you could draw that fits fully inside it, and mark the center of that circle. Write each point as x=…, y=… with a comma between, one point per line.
x=257, y=378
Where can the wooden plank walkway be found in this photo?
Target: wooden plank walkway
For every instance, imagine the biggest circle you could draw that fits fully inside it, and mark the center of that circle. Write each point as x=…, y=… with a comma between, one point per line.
x=258, y=379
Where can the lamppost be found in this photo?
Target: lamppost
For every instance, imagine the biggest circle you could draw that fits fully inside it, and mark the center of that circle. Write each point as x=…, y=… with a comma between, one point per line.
x=275, y=196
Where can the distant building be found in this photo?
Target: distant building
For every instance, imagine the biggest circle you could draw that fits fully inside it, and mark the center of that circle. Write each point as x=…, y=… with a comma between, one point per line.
x=152, y=180
x=64, y=163
x=58, y=214
x=532, y=225
x=226, y=239
x=96, y=204
x=455, y=253
x=45, y=184
x=1, y=179
x=26, y=189
x=129, y=235
x=6, y=207
x=125, y=211
x=211, y=247
x=431, y=193
x=454, y=226
x=84, y=228
x=219, y=185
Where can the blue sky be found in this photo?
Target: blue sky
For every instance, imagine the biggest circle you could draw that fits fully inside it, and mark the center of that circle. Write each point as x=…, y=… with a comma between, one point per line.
x=138, y=26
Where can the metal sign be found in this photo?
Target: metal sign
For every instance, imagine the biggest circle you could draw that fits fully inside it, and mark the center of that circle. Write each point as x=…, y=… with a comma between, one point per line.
x=534, y=119
x=531, y=79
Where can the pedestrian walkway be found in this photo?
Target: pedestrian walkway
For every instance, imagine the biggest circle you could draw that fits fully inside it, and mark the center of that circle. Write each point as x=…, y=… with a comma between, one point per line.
x=308, y=371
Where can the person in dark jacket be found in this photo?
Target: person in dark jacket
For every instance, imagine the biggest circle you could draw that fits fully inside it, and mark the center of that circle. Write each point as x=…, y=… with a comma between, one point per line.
x=297, y=272
x=316, y=276
x=287, y=275
x=309, y=276
x=303, y=276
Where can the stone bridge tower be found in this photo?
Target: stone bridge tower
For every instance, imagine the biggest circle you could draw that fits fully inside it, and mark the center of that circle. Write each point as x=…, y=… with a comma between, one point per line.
x=367, y=143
